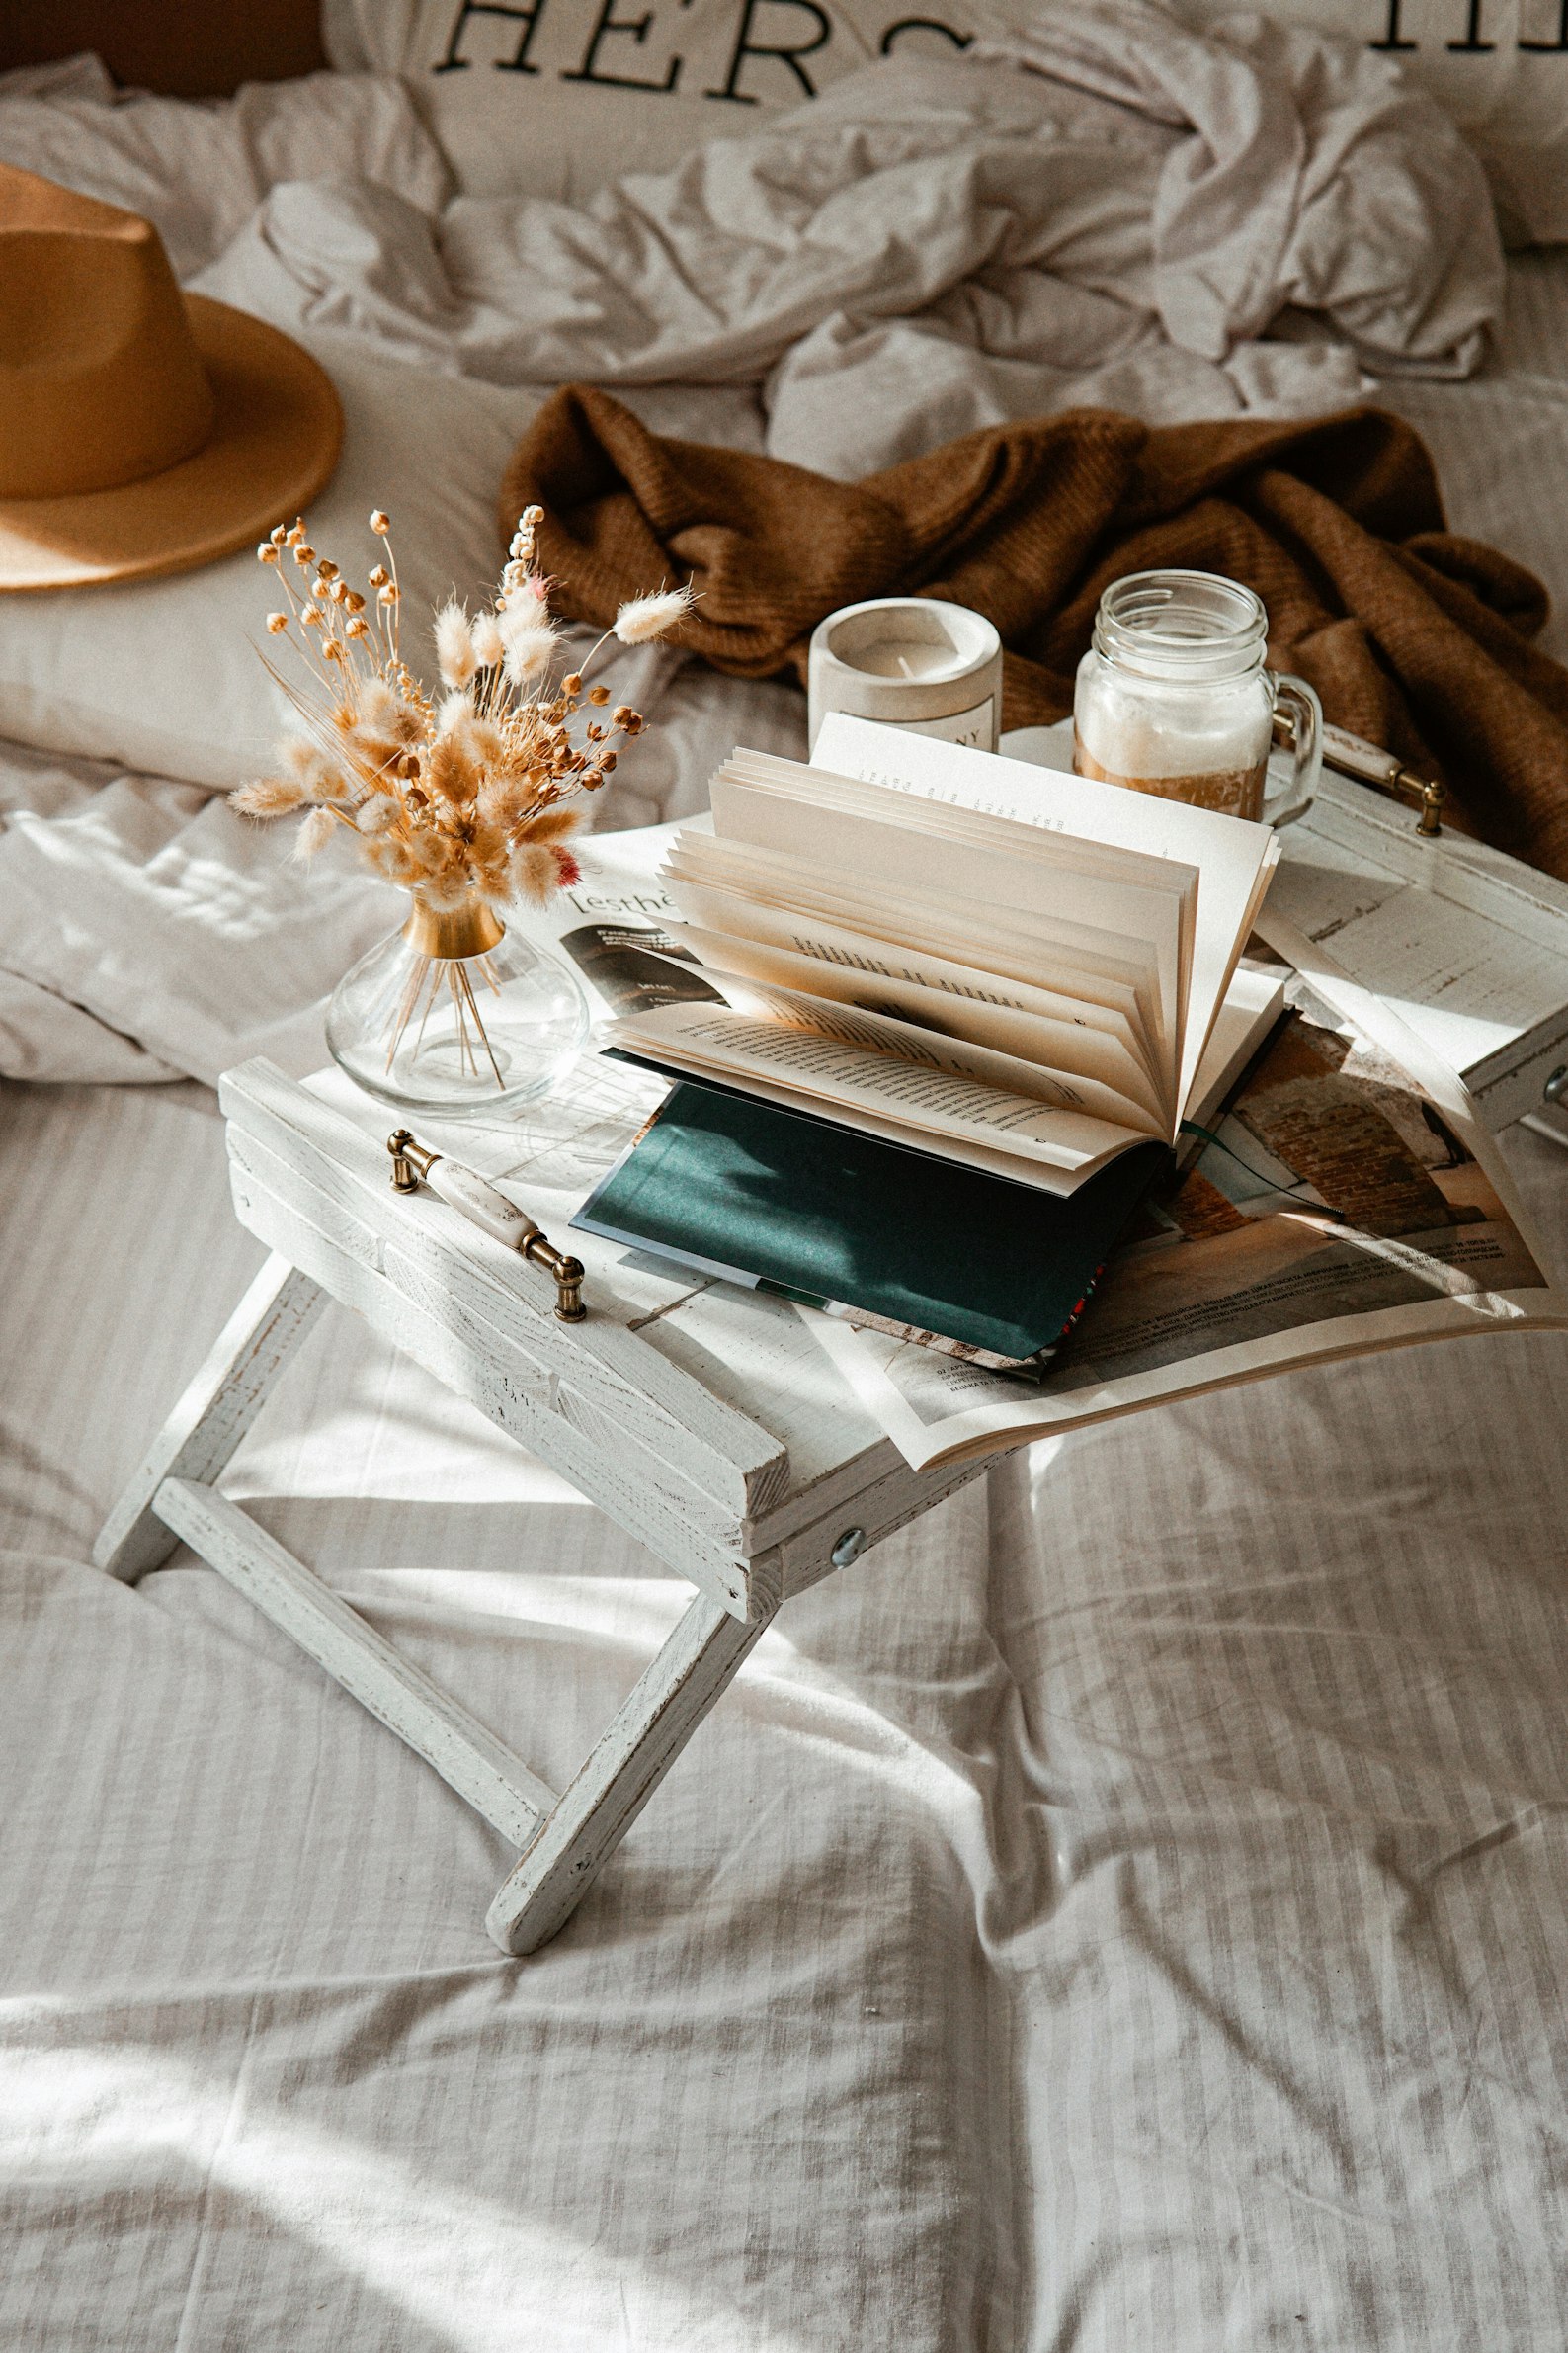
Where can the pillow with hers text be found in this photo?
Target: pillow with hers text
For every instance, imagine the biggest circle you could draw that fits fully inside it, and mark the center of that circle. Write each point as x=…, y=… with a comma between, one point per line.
x=557, y=98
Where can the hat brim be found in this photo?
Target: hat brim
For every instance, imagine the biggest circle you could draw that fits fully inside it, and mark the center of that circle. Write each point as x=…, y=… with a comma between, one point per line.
x=275, y=442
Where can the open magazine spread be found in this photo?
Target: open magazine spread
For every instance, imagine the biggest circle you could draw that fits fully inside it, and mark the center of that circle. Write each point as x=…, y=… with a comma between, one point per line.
x=1344, y=1198
x=1021, y=973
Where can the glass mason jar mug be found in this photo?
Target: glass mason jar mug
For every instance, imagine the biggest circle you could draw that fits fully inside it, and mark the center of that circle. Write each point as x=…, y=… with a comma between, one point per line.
x=1172, y=698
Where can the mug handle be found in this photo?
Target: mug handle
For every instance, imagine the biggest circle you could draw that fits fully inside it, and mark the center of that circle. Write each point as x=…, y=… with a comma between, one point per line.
x=1295, y=696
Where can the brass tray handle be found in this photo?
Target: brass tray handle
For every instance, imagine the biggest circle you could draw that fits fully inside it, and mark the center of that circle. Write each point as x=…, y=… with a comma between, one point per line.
x=481, y=1204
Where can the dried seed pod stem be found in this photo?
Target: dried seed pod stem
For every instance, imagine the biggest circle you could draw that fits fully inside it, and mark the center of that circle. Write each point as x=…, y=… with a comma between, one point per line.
x=457, y=792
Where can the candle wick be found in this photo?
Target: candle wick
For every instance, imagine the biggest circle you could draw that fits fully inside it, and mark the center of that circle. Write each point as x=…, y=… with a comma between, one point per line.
x=903, y=664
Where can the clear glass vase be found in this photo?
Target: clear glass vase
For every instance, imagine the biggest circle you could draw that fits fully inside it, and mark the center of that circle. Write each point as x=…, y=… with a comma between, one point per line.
x=456, y=1017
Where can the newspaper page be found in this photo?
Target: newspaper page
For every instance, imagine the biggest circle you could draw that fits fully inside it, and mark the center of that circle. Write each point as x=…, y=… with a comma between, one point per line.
x=1346, y=1199
x=1474, y=945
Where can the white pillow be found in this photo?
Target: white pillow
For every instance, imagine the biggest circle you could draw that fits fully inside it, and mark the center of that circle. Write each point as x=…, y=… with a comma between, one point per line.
x=1499, y=68
x=165, y=676
x=557, y=98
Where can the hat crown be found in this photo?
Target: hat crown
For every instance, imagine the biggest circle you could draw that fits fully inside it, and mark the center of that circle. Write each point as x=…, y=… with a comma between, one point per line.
x=101, y=382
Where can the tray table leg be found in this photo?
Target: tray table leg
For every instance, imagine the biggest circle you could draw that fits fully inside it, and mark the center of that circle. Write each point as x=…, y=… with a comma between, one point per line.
x=173, y=1496
x=597, y=1809
x=213, y=1415
x=429, y=1720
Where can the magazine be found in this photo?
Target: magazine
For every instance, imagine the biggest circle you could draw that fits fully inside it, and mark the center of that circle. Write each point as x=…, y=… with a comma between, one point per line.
x=1345, y=1199
x=615, y=926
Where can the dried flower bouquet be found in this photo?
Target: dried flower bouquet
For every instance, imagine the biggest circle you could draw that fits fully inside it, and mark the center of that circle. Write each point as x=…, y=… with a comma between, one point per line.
x=463, y=798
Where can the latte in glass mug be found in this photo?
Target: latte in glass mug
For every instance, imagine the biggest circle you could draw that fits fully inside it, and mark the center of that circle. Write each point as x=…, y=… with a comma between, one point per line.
x=1172, y=698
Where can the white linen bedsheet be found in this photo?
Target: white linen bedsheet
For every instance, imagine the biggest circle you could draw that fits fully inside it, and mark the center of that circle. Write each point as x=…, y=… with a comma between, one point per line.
x=1501, y=441
x=1123, y=1912
x=263, y=2081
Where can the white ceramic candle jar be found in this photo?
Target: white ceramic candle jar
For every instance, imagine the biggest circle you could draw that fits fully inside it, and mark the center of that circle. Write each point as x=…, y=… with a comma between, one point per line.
x=909, y=663
x=1172, y=698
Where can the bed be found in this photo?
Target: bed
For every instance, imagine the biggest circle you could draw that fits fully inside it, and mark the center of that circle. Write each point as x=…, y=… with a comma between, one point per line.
x=1124, y=1912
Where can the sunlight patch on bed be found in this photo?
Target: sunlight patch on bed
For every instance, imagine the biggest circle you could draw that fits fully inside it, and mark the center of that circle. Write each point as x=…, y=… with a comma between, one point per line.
x=455, y=2261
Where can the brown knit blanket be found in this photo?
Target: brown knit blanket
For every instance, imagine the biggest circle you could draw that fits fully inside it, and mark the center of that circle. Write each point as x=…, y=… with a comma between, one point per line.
x=1414, y=638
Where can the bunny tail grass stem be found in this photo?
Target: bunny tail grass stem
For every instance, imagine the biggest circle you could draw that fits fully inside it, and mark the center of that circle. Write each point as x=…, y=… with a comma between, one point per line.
x=431, y=994
x=460, y=1029
x=406, y=1011
x=484, y=1035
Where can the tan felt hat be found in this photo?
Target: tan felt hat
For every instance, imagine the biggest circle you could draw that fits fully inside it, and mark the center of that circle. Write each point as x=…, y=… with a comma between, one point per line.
x=142, y=430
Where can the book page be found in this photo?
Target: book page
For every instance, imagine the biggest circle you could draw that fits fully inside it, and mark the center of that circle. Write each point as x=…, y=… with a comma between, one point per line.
x=861, y=978
x=1344, y=1205
x=830, y=942
x=884, y=840
x=1235, y=858
x=1253, y=1004
x=888, y=838
x=1065, y=847
x=1094, y=967
x=884, y=1031
x=835, y=1079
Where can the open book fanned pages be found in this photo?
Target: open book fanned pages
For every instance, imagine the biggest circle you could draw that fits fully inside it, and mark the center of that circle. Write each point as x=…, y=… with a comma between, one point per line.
x=1021, y=972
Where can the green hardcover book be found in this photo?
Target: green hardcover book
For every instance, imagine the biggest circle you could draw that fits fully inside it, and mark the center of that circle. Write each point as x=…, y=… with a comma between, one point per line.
x=747, y=1189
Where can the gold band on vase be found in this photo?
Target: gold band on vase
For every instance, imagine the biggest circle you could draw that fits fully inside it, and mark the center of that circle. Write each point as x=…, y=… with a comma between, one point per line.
x=452, y=932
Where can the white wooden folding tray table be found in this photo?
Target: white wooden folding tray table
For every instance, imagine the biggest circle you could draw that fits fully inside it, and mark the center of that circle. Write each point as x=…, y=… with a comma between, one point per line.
x=706, y=1421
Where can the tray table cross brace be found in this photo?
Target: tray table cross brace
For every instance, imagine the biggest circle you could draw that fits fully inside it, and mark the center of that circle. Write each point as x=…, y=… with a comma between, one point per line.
x=660, y=1426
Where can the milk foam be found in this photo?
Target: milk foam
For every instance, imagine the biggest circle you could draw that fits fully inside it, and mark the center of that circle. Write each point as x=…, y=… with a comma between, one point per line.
x=1138, y=734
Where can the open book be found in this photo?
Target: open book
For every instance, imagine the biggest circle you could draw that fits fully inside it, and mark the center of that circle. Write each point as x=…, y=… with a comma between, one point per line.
x=1026, y=974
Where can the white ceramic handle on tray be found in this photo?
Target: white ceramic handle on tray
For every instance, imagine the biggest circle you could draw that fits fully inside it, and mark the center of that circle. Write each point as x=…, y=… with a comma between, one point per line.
x=479, y=1203
x=466, y=1192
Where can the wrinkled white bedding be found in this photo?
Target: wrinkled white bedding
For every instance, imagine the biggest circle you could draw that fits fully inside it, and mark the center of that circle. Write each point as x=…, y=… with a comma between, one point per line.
x=1115, y=214
x=1112, y=211
x=146, y=932
x=1126, y=1911
x=198, y=171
